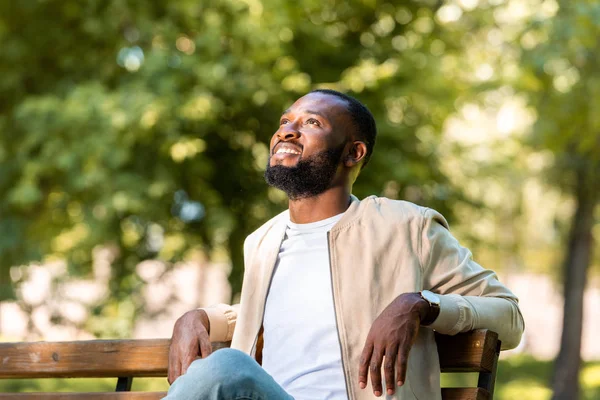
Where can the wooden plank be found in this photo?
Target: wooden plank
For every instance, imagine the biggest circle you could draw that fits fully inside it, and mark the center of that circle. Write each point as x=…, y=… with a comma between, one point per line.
x=220, y=345
x=473, y=351
x=465, y=394
x=87, y=396
x=447, y=394
x=94, y=358
x=468, y=352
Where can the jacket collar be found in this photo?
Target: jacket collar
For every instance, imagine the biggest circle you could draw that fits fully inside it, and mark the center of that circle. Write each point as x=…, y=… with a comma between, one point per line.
x=350, y=215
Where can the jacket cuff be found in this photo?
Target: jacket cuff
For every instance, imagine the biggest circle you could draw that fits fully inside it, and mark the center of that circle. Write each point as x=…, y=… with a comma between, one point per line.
x=222, y=320
x=452, y=315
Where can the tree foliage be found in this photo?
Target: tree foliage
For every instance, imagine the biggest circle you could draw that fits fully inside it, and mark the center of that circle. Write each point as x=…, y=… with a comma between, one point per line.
x=561, y=77
x=145, y=125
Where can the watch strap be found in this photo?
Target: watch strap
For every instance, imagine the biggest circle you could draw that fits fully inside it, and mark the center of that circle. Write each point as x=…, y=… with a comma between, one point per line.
x=432, y=314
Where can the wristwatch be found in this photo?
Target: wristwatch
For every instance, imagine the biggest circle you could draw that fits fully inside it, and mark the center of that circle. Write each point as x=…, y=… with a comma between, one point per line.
x=434, y=306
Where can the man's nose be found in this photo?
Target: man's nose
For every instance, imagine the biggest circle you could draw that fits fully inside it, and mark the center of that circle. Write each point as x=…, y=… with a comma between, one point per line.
x=288, y=133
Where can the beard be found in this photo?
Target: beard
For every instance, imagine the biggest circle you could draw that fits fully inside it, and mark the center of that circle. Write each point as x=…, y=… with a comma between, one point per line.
x=309, y=177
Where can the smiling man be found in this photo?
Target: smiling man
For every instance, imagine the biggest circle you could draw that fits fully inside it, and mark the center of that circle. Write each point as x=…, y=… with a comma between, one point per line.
x=340, y=296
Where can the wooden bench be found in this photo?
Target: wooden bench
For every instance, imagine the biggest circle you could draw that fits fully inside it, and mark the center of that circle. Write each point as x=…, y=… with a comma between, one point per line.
x=475, y=351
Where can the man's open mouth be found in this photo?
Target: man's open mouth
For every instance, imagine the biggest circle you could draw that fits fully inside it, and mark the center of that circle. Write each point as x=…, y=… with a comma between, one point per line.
x=287, y=148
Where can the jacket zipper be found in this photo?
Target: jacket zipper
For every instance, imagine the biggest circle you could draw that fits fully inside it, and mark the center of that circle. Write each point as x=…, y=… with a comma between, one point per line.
x=336, y=316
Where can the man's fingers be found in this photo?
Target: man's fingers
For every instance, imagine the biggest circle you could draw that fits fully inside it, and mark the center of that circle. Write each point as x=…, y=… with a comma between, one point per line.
x=204, y=344
x=375, y=371
x=174, y=368
x=186, y=362
x=173, y=374
x=402, y=363
x=189, y=356
x=363, y=369
x=404, y=350
x=388, y=368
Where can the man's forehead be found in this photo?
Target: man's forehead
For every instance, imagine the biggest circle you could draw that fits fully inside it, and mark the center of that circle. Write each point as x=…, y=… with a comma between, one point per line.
x=323, y=104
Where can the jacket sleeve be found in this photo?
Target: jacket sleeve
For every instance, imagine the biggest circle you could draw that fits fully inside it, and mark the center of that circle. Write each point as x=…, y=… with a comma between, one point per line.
x=471, y=296
x=222, y=319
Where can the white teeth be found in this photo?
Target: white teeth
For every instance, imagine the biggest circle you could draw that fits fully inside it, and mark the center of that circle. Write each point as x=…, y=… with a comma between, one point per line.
x=288, y=151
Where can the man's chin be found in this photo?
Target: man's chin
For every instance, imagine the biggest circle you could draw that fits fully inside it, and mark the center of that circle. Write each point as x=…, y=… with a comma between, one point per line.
x=303, y=178
x=284, y=162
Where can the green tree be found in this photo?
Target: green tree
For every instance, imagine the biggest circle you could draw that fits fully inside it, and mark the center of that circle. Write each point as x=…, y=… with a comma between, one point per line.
x=144, y=126
x=563, y=82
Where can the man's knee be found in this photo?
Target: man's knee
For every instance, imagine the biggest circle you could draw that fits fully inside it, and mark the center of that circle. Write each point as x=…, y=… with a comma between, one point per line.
x=225, y=366
x=218, y=375
x=229, y=357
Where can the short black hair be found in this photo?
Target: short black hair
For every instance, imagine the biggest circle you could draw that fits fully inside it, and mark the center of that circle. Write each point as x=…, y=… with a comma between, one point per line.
x=362, y=117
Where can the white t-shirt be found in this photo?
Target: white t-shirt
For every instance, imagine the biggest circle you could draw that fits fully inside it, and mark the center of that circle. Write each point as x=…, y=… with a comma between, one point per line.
x=301, y=344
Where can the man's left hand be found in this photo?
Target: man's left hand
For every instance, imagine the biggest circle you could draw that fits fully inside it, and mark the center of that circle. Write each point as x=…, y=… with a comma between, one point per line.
x=392, y=335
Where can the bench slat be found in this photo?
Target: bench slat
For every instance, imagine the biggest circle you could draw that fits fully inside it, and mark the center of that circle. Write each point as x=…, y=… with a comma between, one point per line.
x=80, y=359
x=466, y=352
x=447, y=394
x=473, y=351
x=465, y=394
x=87, y=396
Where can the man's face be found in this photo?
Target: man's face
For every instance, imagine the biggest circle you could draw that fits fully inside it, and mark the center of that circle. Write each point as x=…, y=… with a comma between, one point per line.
x=307, y=148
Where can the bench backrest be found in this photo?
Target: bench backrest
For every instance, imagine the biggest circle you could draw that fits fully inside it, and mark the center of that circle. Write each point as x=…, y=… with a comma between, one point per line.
x=475, y=351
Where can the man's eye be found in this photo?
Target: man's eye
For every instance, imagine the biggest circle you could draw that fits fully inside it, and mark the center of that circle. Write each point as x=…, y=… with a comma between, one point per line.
x=312, y=121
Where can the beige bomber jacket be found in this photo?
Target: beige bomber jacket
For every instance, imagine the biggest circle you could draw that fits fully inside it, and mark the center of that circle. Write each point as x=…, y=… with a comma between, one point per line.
x=378, y=250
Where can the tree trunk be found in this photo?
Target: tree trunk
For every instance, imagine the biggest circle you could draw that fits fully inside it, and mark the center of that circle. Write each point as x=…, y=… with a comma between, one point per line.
x=565, y=382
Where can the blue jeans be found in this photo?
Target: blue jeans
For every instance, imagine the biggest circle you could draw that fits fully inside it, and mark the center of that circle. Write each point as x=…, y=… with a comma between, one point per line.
x=227, y=374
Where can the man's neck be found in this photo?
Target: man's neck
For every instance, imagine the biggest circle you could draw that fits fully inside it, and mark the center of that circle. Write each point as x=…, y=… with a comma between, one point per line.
x=312, y=209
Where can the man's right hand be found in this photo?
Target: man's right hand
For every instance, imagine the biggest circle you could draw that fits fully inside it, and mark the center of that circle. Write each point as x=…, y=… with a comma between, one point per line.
x=190, y=341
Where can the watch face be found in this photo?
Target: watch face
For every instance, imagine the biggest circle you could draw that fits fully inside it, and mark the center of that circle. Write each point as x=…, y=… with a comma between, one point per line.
x=430, y=297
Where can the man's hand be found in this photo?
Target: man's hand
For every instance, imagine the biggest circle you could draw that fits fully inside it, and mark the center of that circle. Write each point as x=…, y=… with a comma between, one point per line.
x=392, y=335
x=190, y=341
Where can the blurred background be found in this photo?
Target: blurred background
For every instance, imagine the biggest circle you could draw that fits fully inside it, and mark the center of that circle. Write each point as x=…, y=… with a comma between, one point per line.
x=134, y=138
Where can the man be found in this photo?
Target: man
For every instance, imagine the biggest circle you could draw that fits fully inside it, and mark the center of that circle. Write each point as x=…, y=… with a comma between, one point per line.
x=337, y=290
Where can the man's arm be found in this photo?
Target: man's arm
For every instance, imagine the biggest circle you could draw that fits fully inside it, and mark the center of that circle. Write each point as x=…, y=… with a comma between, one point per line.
x=392, y=335
x=193, y=333
x=196, y=329
x=471, y=296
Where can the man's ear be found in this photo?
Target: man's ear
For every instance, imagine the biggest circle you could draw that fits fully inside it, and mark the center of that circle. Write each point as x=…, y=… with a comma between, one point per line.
x=357, y=153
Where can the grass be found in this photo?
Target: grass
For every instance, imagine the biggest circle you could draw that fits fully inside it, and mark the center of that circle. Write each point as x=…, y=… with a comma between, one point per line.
x=80, y=385
x=524, y=377
x=518, y=378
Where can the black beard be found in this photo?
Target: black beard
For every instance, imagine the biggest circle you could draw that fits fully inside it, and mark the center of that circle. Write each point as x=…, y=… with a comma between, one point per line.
x=310, y=177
